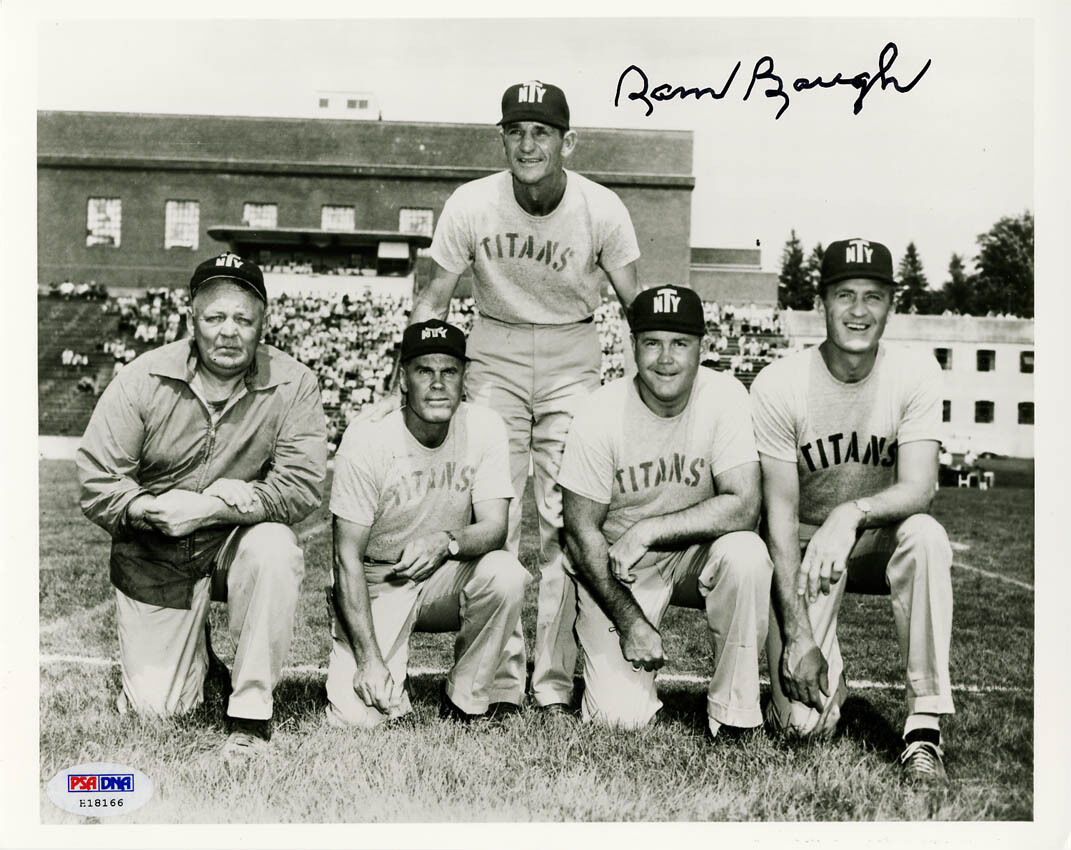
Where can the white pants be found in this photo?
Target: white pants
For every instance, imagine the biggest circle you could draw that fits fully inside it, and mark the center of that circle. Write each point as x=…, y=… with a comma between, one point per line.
x=481, y=600
x=534, y=376
x=162, y=650
x=730, y=579
x=912, y=560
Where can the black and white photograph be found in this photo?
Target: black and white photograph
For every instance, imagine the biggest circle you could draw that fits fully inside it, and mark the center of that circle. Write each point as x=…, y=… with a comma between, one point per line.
x=451, y=423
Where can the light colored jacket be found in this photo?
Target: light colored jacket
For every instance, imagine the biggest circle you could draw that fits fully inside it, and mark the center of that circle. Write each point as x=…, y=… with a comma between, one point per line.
x=150, y=433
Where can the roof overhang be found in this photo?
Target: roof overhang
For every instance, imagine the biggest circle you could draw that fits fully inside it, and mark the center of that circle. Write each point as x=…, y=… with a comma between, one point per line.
x=314, y=238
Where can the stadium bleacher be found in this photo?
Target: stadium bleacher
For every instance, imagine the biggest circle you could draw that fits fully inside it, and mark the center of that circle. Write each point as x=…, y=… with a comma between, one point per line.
x=349, y=340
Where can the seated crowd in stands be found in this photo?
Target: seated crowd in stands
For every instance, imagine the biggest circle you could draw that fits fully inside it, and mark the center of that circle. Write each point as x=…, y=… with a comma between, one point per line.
x=72, y=358
x=68, y=290
x=350, y=339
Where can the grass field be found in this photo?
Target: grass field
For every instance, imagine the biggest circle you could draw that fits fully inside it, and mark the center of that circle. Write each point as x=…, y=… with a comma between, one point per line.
x=422, y=769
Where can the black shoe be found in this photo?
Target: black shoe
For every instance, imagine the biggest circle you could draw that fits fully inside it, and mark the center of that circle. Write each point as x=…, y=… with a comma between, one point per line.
x=246, y=739
x=449, y=711
x=498, y=711
x=258, y=728
x=555, y=709
x=922, y=762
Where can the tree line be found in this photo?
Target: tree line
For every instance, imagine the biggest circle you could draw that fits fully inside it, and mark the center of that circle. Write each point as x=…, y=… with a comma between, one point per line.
x=1002, y=282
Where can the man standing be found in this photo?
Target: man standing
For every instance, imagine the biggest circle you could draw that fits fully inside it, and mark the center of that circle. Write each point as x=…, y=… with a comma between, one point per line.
x=198, y=457
x=542, y=242
x=420, y=501
x=660, y=481
x=848, y=434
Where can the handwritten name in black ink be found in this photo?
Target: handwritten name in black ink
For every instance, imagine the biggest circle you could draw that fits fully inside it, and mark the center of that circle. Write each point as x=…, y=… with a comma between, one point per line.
x=764, y=71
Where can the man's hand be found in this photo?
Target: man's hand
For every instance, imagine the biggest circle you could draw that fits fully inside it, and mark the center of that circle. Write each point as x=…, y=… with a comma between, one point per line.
x=626, y=552
x=135, y=512
x=177, y=513
x=375, y=687
x=827, y=553
x=804, y=673
x=378, y=410
x=641, y=645
x=238, y=494
x=422, y=556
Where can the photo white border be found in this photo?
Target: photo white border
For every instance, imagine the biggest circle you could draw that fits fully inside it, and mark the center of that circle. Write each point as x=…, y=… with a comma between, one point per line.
x=19, y=679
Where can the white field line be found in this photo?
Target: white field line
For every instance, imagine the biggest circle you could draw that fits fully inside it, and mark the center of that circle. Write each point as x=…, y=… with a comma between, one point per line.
x=668, y=678
x=997, y=576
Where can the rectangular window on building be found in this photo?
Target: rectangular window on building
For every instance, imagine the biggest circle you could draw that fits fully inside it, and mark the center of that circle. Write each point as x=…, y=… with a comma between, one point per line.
x=260, y=215
x=362, y=104
x=104, y=221
x=946, y=411
x=944, y=357
x=987, y=360
x=337, y=218
x=417, y=220
x=414, y=220
x=1026, y=413
x=323, y=103
x=351, y=104
x=983, y=411
x=1026, y=362
x=182, y=220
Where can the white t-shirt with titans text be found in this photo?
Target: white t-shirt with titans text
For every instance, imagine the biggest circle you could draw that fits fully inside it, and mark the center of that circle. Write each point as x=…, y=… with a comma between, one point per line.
x=844, y=438
x=620, y=454
x=540, y=269
x=385, y=479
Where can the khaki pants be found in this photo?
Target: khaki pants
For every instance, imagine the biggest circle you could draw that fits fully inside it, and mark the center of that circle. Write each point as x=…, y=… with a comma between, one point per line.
x=730, y=579
x=912, y=561
x=534, y=376
x=162, y=650
x=479, y=599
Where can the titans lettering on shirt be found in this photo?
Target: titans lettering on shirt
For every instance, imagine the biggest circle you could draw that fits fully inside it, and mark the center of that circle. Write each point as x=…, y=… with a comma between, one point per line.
x=834, y=450
x=503, y=246
x=663, y=470
x=417, y=483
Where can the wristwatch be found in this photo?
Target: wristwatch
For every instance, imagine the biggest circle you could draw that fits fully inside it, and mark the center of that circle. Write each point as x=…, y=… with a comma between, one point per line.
x=452, y=547
x=864, y=506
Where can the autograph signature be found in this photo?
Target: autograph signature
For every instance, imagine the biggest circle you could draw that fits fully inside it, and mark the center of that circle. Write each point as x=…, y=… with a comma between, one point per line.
x=764, y=71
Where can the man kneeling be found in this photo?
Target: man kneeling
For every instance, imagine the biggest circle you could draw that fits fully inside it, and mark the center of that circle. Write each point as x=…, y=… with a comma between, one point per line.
x=199, y=457
x=420, y=501
x=660, y=482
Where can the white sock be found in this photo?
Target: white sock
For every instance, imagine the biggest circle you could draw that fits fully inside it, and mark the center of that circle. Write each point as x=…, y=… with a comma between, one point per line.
x=922, y=721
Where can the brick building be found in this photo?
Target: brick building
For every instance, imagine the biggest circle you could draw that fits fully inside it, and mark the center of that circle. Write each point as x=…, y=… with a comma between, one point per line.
x=128, y=199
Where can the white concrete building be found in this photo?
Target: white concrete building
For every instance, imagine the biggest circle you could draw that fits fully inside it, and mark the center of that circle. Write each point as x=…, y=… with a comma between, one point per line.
x=988, y=367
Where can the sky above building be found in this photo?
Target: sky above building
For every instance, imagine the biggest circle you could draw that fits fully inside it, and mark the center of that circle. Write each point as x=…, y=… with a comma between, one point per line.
x=936, y=164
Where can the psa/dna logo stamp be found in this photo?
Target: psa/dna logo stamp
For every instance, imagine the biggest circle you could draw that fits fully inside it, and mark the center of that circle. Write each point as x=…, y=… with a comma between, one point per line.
x=103, y=782
x=100, y=789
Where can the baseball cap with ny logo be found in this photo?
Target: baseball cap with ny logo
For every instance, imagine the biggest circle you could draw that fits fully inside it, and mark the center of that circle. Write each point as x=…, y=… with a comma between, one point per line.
x=668, y=308
x=432, y=337
x=535, y=101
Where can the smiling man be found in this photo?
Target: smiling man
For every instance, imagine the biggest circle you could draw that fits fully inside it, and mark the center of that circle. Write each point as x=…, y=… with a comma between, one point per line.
x=420, y=502
x=197, y=460
x=660, y=481
x=848, y=435
x=542, y=243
